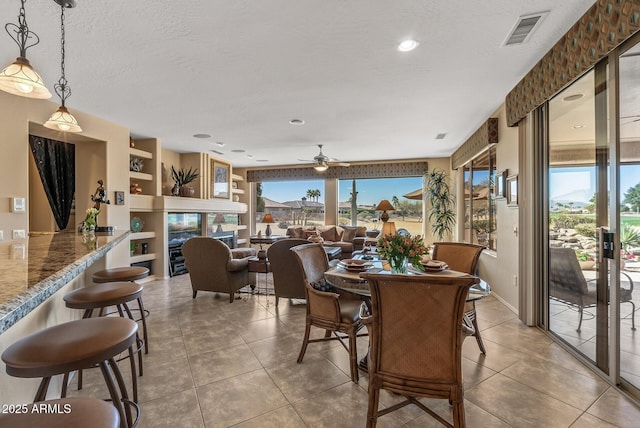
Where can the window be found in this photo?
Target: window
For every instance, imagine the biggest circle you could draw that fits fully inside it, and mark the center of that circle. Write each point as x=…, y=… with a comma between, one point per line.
x=368, y=194
x=290, y=203
x=480, y=213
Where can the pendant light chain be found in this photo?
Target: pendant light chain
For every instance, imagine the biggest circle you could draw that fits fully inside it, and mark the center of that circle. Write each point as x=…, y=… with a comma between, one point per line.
x=22, y=32
x=62, y=88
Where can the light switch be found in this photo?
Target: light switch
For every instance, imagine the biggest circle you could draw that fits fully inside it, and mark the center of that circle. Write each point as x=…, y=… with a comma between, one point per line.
x=19, y=234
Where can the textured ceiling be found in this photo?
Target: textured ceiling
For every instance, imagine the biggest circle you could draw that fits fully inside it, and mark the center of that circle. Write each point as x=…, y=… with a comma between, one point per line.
x=240, y=70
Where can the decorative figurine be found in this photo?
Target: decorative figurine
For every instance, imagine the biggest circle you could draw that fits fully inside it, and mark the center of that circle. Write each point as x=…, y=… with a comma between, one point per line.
x=100, y=196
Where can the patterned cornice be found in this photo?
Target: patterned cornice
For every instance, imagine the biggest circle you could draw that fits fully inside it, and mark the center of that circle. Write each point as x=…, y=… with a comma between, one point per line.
x=603, y=27
x=485, y=135
x=377, y=170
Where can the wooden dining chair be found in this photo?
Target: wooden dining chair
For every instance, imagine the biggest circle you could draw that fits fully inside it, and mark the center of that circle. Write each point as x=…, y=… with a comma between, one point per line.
x=415, y=341
x=462, y=257
x=326, y=310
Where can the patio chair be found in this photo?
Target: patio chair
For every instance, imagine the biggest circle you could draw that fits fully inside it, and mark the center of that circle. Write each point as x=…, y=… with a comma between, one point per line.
x=415, y=341
x=463, y=257
x=568, y=285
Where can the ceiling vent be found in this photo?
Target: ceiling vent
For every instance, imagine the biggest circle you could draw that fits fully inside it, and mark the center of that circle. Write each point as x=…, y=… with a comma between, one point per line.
x=523, y=29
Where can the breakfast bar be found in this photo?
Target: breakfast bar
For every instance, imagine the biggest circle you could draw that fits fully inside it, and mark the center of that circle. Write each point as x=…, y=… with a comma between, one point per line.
x=32, y=273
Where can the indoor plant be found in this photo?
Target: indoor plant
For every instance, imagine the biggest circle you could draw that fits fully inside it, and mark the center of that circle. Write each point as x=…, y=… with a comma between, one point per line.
x=441, y=206
x=183, y=177
x=400, y=249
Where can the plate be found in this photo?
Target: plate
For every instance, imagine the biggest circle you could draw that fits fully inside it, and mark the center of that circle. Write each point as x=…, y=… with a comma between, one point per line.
x=136, y=224
x=355, y=265
x=435, y=266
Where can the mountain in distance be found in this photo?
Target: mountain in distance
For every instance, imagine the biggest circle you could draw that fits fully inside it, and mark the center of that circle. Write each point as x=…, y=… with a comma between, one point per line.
x=580, y=198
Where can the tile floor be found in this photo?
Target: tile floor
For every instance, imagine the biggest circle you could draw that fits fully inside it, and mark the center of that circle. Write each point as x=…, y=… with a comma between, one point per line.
x=216, y=364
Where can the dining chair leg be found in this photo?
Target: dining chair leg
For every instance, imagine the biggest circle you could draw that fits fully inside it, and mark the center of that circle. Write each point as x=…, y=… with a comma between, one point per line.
x=458, y=414
x=372, y=409
x=305, y=342
x=353, y=355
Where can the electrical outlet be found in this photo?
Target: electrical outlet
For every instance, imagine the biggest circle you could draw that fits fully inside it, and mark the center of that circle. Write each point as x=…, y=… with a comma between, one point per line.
x=1, y=235
x=19, y=234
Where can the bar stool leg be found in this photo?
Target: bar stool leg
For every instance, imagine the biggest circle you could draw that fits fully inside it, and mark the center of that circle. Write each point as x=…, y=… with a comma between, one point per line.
x=113, y=393
x=139, y=341
x=41, y=394
x=143, y=316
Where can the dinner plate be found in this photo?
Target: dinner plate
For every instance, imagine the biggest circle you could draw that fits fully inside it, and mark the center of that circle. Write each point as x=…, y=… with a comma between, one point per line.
x=434, y=266
x=354, y=265
x=136, y=224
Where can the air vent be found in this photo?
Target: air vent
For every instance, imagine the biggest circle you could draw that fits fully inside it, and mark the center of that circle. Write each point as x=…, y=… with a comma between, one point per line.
x=523, y=29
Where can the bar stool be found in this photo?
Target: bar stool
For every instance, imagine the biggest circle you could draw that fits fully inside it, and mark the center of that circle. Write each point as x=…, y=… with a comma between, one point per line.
x=77, y=412
x=100, y=296
x=76, y=345
x=130, y=274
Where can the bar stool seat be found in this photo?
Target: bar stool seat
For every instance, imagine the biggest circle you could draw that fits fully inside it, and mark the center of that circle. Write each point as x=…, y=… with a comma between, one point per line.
x=131, y=273
x=77, y=412
x=100, y=296
x=76, y=345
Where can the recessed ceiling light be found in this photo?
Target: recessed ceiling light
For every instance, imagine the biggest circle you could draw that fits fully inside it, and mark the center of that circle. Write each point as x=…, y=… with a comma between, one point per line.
x=216, y=152
x=250, y=156
x=441, y=136
x=262, y=160
x=578, y=126
x=573, y=97
x=238, y=151
x=220, y=144
x=201, y=136
x=296, y=122
x=408, y=45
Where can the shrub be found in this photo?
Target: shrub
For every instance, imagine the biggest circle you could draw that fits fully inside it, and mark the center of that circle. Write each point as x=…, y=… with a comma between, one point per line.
x=586, y=229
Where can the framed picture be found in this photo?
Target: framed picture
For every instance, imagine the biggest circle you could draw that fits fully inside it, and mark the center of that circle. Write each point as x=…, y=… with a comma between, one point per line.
x=221, y=180
x=500, y=188
x=119, y=198
x=512, y=190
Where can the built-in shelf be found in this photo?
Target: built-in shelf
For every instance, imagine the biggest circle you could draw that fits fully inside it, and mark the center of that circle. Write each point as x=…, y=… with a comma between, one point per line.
x=242, y=227
x=140, y=153
x=241, y=241
x=140, y=176
x=237, y=177
x=142, y=235
x=142, y=257
x=238, y=191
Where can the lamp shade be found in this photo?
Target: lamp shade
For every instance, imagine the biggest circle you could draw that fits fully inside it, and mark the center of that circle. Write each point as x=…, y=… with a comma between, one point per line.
x=219, y=218
x=388, y=228
x=385, y=205
x=19, y=78
x=268, y=218
x=62, y=120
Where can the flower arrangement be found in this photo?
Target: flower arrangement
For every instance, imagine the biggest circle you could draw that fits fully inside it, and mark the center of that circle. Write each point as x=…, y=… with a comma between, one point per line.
x=398, y=248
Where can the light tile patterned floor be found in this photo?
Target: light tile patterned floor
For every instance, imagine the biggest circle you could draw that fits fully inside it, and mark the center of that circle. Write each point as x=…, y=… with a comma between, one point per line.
x=216, y=364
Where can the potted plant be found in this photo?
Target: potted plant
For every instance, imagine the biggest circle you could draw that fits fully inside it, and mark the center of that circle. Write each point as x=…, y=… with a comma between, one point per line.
x=181, y=178
x=441, y=203
x=585, y=260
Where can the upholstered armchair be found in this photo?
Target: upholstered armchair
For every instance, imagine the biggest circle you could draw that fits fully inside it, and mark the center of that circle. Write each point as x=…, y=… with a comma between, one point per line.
x=288, y=280
x=212, y=267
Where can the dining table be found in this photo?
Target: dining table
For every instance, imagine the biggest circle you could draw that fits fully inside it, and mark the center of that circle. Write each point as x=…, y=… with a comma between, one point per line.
x=349, y=281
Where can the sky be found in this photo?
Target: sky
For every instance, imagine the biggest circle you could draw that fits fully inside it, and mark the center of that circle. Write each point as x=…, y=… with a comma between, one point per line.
x=579, y=183
x=370, y=191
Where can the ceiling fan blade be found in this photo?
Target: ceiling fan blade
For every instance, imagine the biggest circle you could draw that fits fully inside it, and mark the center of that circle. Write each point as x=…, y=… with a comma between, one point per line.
x=339, y=164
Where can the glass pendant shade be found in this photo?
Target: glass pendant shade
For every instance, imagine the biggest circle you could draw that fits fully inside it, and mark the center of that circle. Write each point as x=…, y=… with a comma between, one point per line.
x=62, y=120
x=321, y=167
x=19, y=78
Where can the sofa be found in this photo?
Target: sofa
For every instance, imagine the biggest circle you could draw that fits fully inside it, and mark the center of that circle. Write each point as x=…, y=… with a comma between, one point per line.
x=347, y=238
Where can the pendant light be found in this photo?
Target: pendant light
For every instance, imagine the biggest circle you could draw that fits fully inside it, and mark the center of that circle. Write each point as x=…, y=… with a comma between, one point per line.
x=61, y=119
x=19, y=78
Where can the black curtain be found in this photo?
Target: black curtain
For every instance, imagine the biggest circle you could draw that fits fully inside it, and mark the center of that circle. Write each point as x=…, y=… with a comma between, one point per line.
x=56, y=164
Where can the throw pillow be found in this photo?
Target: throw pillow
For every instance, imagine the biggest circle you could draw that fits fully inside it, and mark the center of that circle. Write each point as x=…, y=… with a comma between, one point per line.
x=349, y=234
x=321, y=285
x=329, y=234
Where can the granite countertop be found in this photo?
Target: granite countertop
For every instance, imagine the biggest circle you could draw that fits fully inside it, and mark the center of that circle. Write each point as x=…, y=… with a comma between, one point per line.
x=31, y=270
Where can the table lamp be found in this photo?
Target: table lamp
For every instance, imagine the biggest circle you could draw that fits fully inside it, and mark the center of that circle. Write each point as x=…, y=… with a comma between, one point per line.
x=268, y=218
x=219, y=220
x=384, y=206
x=388, y=228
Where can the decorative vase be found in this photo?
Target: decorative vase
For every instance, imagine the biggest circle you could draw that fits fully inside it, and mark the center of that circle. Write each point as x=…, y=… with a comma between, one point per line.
x=399, y=264
x=88, y=230
x=187, y=191
x=175, y=190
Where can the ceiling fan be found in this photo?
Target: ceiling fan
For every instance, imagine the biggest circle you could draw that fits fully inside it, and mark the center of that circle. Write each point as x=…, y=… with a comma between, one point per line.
x=322, y=162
